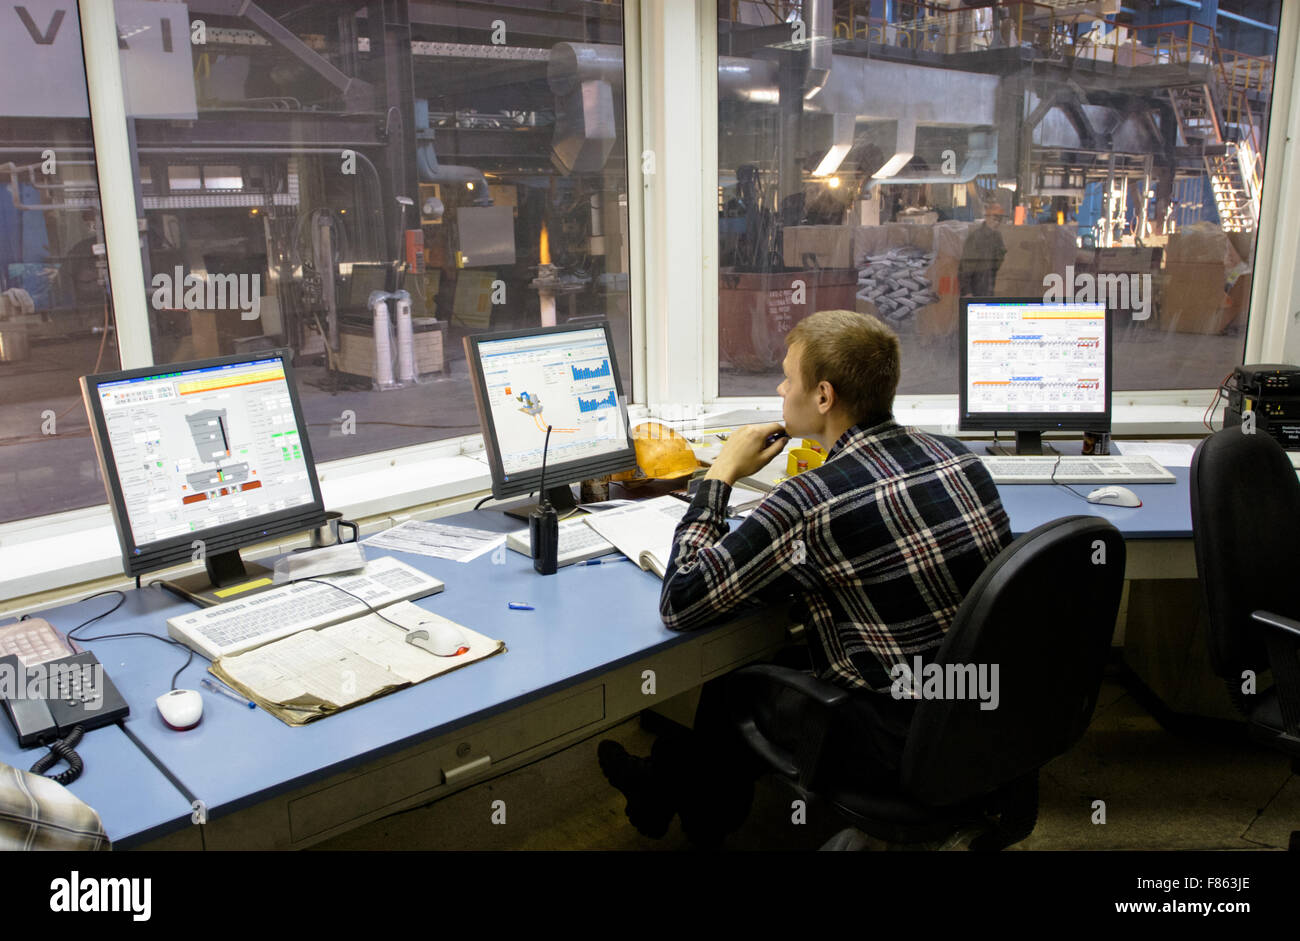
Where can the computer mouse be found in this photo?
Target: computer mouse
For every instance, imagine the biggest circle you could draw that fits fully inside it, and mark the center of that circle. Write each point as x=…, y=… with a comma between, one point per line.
x=181, y=709
x=1114, y=496
x=447, y=640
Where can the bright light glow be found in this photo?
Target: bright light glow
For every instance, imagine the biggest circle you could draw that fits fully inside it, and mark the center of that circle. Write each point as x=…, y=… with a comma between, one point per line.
x=892, y=166
x=833, y=182
x=834, y=157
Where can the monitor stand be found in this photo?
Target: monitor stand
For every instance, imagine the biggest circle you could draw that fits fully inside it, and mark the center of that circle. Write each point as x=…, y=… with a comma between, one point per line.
x=561, y=500
x=1027, y=442
x=226, y=576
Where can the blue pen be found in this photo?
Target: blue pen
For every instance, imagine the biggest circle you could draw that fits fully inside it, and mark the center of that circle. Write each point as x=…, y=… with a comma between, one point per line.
x=621, y=558
x=518, y=606
x=227, y=691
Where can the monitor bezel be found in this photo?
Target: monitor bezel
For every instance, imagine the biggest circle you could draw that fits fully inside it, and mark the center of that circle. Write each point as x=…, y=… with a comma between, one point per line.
x=1029, y=421
x=556, y=474
x=136, y=559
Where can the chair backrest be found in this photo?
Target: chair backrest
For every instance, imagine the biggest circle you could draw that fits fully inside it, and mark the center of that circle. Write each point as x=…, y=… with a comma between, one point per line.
x=1245, y=522
x=1042, y=613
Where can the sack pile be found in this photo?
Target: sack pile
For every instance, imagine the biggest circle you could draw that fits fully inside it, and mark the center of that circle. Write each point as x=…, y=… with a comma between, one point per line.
x=896, y=282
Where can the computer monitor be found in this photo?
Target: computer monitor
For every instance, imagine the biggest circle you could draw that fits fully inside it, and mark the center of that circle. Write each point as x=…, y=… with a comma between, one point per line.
x=200, y=459
x=566, y=376
x=1028, y=366
x=367, y=277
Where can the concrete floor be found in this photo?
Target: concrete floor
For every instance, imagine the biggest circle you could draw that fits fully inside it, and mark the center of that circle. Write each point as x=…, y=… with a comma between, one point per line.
x=1161, y=792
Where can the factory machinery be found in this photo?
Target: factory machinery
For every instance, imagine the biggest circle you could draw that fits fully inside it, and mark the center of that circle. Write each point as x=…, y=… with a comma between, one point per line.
x=342, y=150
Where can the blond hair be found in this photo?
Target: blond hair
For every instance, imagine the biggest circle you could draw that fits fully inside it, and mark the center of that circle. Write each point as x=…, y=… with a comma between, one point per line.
x=856, y=353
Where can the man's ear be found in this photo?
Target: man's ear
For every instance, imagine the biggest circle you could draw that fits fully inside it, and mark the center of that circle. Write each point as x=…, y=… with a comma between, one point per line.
x=825, y=397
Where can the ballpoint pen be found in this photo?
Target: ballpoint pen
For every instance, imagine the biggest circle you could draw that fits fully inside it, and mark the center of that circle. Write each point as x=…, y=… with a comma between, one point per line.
x=518, y=606
x=621, y=558
x=227, y=691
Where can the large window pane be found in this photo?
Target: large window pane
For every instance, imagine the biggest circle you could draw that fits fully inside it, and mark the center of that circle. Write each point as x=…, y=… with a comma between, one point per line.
x=320, y=152
x=56, y=320
x=862, y=144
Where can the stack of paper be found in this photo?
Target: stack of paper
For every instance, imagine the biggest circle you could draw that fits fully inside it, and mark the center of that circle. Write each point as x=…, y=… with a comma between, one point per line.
x=316, y=673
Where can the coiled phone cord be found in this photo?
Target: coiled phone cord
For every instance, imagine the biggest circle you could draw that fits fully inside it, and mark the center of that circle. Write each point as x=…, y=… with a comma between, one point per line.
x=63, y=748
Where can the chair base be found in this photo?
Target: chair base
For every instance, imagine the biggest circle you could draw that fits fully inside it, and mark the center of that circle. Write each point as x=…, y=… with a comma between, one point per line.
x=991, y=823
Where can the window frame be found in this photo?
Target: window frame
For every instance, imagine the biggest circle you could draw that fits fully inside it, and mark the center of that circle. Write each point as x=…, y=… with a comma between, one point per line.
x=1270, y=329
x=670, y=84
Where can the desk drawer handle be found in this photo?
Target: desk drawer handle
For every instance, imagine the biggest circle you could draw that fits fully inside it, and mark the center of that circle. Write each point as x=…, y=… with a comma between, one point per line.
x=478, y=764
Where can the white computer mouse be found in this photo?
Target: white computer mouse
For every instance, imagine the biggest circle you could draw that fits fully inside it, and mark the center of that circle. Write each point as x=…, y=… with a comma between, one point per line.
x=1114, y=496
x=181, y=709
x=447, y=640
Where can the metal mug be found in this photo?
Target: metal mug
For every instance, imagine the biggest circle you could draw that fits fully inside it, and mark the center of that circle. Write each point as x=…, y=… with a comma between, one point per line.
x=327, y=534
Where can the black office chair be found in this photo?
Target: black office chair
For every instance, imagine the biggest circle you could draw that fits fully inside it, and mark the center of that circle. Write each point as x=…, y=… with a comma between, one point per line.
x=1245, y=517
x=1044, y=611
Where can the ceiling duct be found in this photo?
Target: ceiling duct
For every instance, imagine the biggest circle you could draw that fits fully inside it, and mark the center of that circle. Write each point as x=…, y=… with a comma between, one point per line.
x=582, y=77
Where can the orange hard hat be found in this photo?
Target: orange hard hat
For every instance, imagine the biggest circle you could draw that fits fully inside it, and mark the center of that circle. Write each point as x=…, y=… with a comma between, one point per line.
x=661, y=454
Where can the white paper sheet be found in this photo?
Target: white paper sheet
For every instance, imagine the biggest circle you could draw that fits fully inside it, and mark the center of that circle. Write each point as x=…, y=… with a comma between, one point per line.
x=439, y=540
x=1166, y=453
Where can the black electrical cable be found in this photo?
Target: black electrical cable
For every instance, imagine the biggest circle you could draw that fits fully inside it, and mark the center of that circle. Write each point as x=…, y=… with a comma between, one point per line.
x=63, y=748
x=72, y=634
x=369, y=607
x=1081, y=496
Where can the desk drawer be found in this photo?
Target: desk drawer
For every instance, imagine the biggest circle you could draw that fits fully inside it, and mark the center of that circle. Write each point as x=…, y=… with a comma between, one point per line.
x=461, y=757
x=726, y=651
x=524, y=731
x=365, y=794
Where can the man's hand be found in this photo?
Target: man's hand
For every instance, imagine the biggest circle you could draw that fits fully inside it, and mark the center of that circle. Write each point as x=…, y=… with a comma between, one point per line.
x=744, y=454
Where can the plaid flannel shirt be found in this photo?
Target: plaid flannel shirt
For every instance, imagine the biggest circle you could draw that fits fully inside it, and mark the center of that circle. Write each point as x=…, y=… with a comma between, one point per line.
x=39, y=814
x=878, y=546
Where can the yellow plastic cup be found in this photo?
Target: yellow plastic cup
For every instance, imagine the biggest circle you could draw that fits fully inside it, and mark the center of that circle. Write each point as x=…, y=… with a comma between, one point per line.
x=808, y=455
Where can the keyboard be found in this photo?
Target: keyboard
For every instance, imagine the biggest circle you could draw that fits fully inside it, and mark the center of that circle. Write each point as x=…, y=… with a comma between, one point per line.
x=239, y=625
x=578, y=542
x=1072, y=469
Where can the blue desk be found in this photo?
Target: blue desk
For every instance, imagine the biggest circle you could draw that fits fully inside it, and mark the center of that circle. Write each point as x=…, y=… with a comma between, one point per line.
x=134, y=799
x=1157, y=534
x=1165, y=513
x=581, y=662
x=573, y=666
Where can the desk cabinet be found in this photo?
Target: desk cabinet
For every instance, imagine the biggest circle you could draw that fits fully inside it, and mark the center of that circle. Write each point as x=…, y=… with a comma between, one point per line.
x=461, y=758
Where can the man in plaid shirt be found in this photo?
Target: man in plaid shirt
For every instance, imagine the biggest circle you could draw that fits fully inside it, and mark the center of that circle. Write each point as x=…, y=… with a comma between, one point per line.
x=877, y=548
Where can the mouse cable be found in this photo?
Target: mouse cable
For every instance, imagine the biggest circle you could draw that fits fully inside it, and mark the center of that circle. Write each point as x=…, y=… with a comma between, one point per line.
x=368, y=605
x=121, y=600
x=63, y=748
x=1066, y=486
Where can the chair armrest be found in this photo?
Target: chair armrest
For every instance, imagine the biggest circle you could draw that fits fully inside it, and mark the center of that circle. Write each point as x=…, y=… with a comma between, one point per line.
x=1283, y=643
x=1278, y=622
x=819, y=691
x=802, y=768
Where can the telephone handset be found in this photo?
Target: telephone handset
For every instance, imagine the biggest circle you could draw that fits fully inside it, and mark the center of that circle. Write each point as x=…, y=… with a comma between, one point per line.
x=46, y=701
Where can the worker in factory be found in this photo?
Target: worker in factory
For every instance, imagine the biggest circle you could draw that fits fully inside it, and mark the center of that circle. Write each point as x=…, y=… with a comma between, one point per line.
x=982, y=255
x=877, y=548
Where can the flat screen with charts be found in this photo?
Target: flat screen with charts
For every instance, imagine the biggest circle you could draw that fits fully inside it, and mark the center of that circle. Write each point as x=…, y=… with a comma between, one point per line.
x=564, y=377
x=1030, y=366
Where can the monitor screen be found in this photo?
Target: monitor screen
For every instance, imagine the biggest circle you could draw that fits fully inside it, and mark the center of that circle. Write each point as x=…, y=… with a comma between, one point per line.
x=202, y=447
x=565, y=377
x=1028, y=364
x=367, y=278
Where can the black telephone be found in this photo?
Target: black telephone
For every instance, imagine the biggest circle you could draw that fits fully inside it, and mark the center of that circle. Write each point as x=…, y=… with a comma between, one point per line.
x=64, y=693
